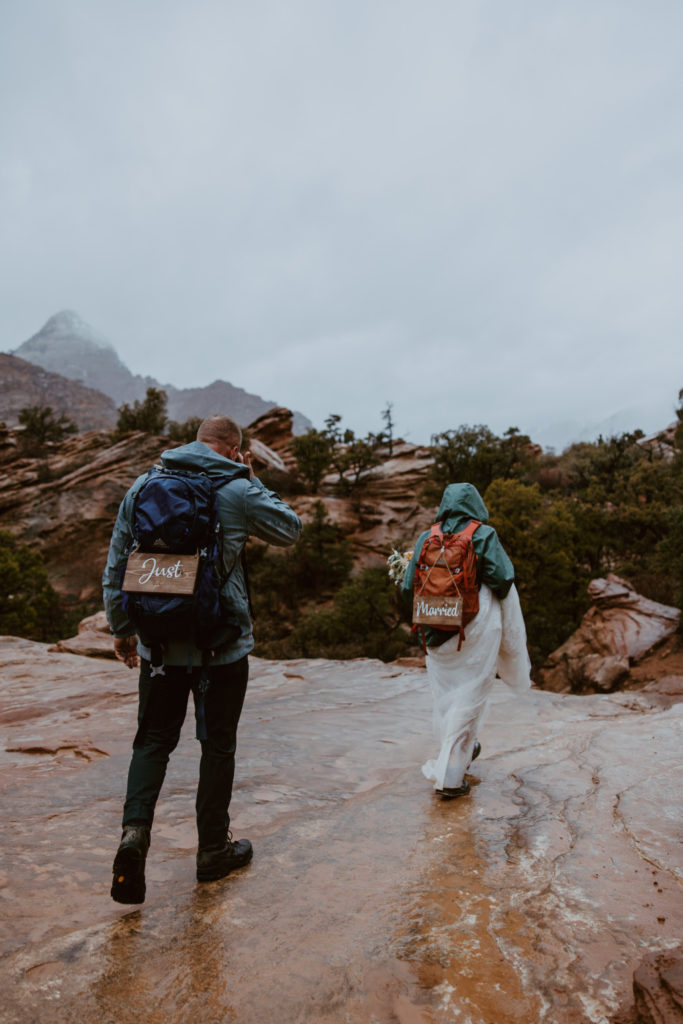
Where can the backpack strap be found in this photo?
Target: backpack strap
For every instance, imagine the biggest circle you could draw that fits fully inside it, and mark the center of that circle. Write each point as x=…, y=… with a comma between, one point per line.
x=469, y=531
x=222, y=481
x=470, y=528
x=474, y=524
x=245, y=571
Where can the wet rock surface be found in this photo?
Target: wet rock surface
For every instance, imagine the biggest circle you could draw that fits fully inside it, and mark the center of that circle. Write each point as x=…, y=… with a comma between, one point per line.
x=658, y=988
x=535, y=898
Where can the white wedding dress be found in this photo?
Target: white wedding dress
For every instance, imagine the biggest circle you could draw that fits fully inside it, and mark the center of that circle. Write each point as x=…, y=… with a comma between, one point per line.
x=462, y=680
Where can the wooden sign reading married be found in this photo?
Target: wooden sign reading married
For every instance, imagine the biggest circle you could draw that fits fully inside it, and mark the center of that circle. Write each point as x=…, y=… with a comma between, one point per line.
x=160, y=574
x=437, y=611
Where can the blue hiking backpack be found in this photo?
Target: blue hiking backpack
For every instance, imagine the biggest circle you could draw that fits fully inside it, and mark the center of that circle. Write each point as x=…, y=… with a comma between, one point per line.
x=176, y=512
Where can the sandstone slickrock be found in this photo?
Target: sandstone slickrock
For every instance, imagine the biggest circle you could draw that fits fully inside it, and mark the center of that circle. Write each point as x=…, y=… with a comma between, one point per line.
x=658, y=988
x=534, y=899
x=615, y=633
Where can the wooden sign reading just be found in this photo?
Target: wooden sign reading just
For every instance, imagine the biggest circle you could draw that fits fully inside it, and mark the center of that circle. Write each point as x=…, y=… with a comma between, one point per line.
x=160, y=574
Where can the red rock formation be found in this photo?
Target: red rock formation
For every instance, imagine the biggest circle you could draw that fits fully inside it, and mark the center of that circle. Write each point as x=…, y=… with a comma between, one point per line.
x=617, y=632
x=274, y=429
x=383, y=510
x=66, y=502
x=93, y=640
x=66, y=505
x=400, y=477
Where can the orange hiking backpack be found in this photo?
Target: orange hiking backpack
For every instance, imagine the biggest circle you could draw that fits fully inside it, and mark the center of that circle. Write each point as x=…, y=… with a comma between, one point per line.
x=445, y=591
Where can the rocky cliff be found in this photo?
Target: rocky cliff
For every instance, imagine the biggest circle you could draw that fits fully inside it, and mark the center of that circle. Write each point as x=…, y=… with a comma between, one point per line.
x=23, y=383
x=67, y=506
x=537, y=898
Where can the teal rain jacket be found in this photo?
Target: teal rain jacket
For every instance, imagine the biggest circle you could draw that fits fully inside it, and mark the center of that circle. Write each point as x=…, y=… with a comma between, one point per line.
x=245, y=508
x=459, y=505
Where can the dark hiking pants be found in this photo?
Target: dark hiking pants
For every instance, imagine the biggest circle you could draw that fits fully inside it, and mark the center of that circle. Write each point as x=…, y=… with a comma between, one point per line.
x=161, y=713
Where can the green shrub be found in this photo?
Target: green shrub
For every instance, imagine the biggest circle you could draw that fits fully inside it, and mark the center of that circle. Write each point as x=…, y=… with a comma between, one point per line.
x=364, y=620
x=541, y=537
x=29, y=606
x=148, y=416
x=284, y=584
x=185, y=432
x=477, y=456
x=42, y=427
x=306, y=606
x=312, y=451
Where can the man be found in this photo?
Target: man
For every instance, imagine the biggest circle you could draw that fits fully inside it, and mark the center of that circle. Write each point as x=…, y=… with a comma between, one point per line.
x=245, y=508
x=462, y=676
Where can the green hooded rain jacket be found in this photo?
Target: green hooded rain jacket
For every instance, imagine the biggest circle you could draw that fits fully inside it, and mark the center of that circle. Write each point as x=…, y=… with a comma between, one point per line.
x=459, y=505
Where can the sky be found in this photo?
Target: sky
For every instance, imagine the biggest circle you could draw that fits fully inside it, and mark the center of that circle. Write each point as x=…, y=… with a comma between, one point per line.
x=471, y=209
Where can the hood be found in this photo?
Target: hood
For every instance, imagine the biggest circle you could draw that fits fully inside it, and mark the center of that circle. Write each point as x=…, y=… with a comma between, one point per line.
x=198, y=457
x=461, y=501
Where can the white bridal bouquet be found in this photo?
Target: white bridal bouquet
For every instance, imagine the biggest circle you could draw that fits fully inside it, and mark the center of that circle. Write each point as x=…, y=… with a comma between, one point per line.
x=398, y=562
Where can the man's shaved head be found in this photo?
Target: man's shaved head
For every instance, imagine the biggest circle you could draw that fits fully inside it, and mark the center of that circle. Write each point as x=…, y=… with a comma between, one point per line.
x=219, y=429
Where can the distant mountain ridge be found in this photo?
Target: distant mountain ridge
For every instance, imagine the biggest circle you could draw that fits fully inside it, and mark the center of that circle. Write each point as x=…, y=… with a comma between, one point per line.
x=649, y=417
x=67, y=345
x=23, y=384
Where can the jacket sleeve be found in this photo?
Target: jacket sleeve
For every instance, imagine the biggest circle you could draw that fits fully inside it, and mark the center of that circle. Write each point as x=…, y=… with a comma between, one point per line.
x=409, y=575
x=406, y=589
x=268, y=517
x=121, y=537
x=496, y=569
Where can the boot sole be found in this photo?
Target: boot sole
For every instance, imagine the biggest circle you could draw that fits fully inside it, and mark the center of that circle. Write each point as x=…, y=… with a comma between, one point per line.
x=453, y=794
x=128, y=885
x=221, y=871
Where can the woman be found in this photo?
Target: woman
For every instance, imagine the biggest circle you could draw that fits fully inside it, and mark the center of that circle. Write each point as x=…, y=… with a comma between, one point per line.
x=461, y=675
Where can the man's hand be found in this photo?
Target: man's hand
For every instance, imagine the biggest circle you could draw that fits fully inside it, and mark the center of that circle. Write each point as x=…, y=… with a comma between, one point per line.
x=245, y=457
x=126, y=650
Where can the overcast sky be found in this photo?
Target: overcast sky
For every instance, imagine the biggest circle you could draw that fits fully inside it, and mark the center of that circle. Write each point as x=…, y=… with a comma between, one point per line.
x=470, y=208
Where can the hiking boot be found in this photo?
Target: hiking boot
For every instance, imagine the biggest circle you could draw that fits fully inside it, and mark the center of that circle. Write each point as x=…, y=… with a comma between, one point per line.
x=451, y=793
x=128, y=885
x=215, y=864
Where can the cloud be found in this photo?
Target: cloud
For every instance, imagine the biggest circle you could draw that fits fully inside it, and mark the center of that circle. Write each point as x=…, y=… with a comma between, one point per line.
x=317, y=200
